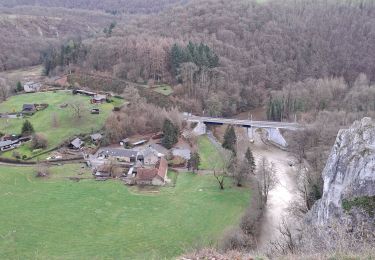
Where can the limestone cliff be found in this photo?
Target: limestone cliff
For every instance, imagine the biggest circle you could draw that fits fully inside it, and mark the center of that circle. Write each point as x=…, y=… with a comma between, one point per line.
x=349, y=181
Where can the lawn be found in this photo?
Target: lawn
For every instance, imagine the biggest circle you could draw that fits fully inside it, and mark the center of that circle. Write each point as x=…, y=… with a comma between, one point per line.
x=210, y=157
x=67, y=125
x=60, y=219
x=164, y=89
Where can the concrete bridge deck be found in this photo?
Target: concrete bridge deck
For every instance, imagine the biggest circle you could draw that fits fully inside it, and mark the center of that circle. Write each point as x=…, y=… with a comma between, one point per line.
x=243, y=123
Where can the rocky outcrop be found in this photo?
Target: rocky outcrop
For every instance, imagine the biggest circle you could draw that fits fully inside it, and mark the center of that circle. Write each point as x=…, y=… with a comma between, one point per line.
x=349, y=181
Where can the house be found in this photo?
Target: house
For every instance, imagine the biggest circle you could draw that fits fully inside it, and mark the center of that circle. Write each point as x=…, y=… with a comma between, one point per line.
x=28, y=109
x=149, y=156
x=123, y=155
x=95, y=111
x=95, y=138
x=153, y=176
x=31, y=86
x=99, y=99
x=76, y=144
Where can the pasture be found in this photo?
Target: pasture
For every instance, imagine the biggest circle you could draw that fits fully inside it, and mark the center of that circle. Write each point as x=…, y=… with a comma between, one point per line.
x=210, y=157
x=57, y=124
x=56, y=218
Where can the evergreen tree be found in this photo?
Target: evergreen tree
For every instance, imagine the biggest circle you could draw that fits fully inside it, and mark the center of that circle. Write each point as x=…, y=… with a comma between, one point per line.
x=170, y=134
x=27, y=128
x=250, y=159
x=19, y=86
x=194, y=161
x=230, y=139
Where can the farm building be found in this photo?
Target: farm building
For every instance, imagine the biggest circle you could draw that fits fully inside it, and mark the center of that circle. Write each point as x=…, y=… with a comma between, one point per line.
x=29, y=109
x=84, y=92
x=98, y=99
x=153, y=176
x=95, y=111
x=8, y=145
x=76, y=144
x=123, y=155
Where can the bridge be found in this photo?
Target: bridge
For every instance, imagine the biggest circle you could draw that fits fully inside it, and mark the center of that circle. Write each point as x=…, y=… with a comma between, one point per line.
x=272, y=128
x=243, y=123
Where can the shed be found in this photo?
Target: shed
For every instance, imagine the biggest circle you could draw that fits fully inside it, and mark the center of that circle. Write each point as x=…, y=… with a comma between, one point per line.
x=76, y=144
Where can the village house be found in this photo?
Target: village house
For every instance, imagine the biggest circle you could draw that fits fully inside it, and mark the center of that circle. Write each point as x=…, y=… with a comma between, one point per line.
x=76, y=144
x=29, y=109
x=31, y=86
x=122, y=155
x=153, y=176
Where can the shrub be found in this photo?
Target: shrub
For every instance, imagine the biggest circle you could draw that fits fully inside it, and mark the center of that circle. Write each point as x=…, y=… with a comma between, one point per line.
x=39, y=142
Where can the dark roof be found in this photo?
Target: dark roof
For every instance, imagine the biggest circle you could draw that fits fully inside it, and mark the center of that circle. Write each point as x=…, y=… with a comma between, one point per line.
x=28, y=107
x=6, y=143
x=118, y=152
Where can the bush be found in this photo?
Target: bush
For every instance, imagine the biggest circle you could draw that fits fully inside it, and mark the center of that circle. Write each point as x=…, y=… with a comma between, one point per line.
x=39, y=142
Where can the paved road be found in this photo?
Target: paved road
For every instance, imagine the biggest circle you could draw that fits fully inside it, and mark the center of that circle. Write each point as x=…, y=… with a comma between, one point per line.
x=255, y=124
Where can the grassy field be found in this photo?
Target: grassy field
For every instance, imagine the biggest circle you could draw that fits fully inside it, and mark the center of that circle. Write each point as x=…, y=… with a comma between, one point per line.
x=42, y=121
x=209, y=155
x=164, y=89
x=60, y=219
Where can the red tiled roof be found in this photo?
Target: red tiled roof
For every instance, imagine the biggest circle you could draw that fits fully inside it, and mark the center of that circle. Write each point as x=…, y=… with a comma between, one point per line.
x=162, y=168
x=148, y=174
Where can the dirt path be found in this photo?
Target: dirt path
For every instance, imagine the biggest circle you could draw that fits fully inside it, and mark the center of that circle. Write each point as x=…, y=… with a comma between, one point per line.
x=282, y=196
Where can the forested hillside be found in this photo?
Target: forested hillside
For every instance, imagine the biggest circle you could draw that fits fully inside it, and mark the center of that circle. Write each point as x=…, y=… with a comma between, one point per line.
x=261, y=47
x=26, y=32
x=112, y=6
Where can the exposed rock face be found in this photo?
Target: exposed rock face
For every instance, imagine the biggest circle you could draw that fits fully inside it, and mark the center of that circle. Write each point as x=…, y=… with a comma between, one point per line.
x=349, y=175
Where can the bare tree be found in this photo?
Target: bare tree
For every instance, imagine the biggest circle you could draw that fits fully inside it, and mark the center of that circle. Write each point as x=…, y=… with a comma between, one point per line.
x=77, y=109
x=266, y=178
x=220, y=177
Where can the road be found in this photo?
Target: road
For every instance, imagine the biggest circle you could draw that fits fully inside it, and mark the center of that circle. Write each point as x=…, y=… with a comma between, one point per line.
x=246, y=123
